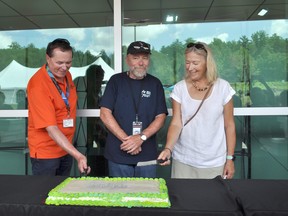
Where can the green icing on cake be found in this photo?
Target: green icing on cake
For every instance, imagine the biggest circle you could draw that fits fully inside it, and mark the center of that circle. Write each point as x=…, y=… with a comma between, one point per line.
x=115, y=198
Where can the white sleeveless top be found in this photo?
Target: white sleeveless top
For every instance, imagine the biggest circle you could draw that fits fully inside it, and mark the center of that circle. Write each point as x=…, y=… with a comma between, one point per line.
x=202, y=143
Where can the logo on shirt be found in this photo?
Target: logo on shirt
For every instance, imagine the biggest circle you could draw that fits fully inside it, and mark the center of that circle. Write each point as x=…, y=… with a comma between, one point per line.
x=145, y=93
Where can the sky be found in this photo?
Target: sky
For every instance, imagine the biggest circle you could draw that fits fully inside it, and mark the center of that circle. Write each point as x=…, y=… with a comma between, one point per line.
x=101, y=38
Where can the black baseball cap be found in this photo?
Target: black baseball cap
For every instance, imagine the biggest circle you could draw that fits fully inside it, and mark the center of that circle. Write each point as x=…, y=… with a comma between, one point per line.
x=139, y=47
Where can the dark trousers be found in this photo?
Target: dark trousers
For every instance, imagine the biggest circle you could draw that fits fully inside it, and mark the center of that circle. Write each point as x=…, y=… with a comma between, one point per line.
x=52, y=167
x=123, y=170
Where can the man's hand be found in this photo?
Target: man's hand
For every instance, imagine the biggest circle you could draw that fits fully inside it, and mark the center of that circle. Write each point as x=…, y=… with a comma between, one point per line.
x=132, y=144
x=82, y=165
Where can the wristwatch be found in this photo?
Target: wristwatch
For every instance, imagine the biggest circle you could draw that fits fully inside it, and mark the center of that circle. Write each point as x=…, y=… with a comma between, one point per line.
x=143, y=137
x=230, y=157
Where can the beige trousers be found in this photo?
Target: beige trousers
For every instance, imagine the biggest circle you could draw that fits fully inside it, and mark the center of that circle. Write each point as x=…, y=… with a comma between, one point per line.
x=181, y=170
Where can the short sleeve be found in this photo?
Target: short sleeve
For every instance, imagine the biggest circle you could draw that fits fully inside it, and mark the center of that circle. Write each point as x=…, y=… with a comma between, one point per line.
x=108, y=98
x=176, y=92
x=229, y=92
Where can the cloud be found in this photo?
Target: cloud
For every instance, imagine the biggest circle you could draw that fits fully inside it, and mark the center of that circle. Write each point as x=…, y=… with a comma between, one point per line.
x=223, y=37
x=71, y=33
x=84, y=39
x=5, y=40
x=101, y=39
x=183, y=31
x=207, y=39
x=144, y=33
x=279, y=27
x=187, y=26
x=76, y=36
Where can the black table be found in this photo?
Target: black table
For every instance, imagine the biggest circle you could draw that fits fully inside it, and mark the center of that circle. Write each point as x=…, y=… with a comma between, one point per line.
x=25, y=195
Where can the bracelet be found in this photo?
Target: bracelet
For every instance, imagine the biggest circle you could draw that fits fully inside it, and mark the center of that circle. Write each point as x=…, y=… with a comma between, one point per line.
x=230, y=157
x=169, y=150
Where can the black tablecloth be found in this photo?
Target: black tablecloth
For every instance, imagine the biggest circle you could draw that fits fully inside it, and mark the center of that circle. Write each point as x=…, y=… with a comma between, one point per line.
x=25, y=195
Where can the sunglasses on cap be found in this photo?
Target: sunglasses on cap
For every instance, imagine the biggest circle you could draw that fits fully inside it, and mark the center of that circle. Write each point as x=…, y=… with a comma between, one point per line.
x=142, y=45
x=197, y=46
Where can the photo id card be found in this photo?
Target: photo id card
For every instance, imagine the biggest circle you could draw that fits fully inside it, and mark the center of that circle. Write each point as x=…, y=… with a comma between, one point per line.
x=68, y=123
x=136, y=127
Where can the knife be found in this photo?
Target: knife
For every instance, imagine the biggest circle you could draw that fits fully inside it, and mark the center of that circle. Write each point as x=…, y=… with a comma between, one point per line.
x=85, y=173
x=151, y=162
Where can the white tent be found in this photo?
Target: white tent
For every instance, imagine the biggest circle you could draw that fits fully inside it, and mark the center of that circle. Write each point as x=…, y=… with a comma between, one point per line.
x=108, y=70
x=17, y=76
x=81, y=71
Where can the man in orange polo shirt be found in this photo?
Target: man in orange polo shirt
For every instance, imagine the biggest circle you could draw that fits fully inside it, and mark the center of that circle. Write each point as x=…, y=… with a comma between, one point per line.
x=52, y=114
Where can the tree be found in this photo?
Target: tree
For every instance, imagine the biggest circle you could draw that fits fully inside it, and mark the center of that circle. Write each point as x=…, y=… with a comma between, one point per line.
x=15, y=46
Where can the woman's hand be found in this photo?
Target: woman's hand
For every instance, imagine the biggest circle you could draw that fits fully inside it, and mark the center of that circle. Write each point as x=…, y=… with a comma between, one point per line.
x=229, y=169
x=165, y=155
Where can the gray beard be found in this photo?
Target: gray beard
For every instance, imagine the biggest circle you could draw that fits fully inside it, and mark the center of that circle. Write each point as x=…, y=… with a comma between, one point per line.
x=138, y=74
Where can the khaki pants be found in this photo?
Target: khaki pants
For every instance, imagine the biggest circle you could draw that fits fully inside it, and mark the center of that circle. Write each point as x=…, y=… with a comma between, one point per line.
x=181, y=170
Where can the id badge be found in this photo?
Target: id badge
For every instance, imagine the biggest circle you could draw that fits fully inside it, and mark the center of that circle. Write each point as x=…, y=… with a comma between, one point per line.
x=136, y=127
x=68, y=123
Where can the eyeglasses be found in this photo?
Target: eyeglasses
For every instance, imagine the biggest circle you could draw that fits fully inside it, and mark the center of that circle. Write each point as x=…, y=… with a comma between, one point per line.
x=197, y=46
x=61, y=40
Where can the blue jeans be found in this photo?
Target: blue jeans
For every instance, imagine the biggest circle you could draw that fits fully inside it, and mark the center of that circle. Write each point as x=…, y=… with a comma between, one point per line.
x=124, y=170
x=52, y=167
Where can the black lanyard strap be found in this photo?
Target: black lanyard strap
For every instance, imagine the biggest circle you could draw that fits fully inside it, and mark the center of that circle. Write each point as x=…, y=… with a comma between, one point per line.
x=136, y=106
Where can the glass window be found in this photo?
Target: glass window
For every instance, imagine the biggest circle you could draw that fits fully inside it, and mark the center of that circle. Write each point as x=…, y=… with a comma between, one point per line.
x=23, y=53
x=251, y=55
x=250, y=52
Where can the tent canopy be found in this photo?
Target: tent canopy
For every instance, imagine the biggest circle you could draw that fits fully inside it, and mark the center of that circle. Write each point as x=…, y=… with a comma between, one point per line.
x=16, y=75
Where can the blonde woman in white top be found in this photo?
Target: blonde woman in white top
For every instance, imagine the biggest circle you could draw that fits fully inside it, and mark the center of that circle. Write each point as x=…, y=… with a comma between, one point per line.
x=204, y=147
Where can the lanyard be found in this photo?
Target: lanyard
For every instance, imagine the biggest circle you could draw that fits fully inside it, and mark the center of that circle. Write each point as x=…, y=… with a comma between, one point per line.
x=64, y=97
x=136, y=106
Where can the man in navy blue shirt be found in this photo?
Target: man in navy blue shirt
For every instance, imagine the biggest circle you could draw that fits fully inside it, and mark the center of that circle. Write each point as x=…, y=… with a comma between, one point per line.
x=133, y=108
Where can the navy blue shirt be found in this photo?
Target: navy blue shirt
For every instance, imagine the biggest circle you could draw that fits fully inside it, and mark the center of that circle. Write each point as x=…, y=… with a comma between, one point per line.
x=124, y=96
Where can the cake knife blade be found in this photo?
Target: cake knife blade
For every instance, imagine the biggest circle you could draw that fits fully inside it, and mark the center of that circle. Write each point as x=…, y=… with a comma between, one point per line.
x=151, y=162
x=85, y=173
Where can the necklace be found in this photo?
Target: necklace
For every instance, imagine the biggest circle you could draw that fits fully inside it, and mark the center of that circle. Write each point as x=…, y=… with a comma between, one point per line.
x=200, y=89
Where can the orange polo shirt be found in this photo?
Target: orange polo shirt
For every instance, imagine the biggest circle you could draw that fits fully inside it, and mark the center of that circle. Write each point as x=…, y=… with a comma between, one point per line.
x=47, y=108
